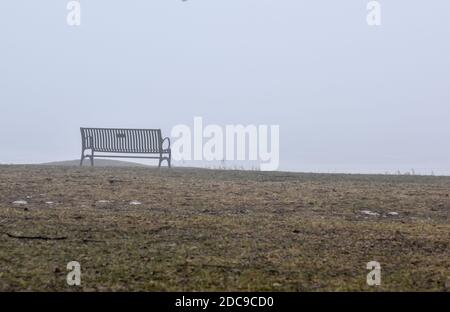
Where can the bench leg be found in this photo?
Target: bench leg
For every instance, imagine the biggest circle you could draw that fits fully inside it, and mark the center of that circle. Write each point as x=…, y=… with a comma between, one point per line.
x=92, y=160
x=168, y=159
x=82, y=158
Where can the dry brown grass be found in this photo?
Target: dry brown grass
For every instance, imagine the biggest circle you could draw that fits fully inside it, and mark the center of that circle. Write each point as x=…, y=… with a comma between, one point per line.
x=220, y=230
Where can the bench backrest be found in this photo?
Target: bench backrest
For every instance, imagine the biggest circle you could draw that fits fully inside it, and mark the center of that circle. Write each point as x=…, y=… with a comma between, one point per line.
x=122, y=140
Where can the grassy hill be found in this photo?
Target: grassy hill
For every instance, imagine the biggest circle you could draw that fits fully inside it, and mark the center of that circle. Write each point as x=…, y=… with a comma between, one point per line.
x=189, y=229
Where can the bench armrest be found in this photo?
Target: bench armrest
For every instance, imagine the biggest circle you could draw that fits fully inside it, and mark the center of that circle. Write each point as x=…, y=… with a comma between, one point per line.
x=166, y=139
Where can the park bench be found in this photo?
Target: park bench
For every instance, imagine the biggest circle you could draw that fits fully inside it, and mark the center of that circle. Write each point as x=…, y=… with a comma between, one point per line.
x=125, y=141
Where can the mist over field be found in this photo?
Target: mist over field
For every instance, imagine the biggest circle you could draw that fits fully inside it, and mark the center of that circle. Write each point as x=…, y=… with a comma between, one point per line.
x=301, y=146
x=347, y=97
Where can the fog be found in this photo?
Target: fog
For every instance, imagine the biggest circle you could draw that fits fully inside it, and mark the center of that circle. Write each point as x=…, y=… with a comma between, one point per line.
x=348, y=97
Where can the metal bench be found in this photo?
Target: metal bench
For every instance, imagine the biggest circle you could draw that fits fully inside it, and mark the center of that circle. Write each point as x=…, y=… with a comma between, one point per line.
x=126, y=141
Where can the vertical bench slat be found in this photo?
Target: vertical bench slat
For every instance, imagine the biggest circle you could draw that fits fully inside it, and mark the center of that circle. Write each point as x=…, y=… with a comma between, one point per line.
x=152, y=139
x=134, y=141
x=90, y=138
x=138, y=141
x=146, y=139
x=128, y=139
x=107, y=140
x=99, y=138
x=158, y=141
x=95, y=139
x=119, y=141
x=122, y=137
x=102, y=139
x=141, y=141
x=155, y=141
x=111, y=139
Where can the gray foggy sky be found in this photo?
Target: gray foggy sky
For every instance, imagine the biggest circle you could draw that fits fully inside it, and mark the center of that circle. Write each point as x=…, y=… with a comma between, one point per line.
x=348, y=97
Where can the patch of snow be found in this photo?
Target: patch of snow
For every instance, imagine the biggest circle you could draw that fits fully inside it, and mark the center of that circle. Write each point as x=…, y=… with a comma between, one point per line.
x=103, y=201
x=393, y=213
x=370, y=213
x=135, y=203
x=20, y=202
x=276, y=285
x=49, y=203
